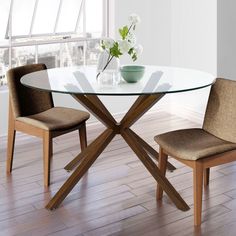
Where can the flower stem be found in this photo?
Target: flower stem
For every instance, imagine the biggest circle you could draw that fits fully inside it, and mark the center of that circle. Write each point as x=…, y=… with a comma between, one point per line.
x=108, y=61
x=129, y=29
x=110, y=57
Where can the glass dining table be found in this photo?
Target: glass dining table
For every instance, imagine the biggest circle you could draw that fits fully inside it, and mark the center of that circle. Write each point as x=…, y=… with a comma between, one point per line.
x=82, y=85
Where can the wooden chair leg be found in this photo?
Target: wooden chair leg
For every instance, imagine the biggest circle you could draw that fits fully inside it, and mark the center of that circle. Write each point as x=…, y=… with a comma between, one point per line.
x=10, y=148
x=162, y=164
x=197, y=191
x=11, y=138
x=83, y=136
x=47, y=153
x=206, y=176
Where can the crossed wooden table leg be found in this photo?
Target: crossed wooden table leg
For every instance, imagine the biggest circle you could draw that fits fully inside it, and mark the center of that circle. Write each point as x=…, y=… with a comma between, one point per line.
x=143, y=150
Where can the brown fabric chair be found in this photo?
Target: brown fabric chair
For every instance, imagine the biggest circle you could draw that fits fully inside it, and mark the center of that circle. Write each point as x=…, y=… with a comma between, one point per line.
x=213, y=145
x=32, y=111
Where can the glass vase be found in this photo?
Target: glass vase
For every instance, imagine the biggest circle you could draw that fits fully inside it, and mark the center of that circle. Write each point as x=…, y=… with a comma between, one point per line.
x=108, y=70
x=108, y=78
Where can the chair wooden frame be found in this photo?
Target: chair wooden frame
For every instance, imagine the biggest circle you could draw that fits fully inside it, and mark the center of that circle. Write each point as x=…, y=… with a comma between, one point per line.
x=47, y=136
x=201, y=174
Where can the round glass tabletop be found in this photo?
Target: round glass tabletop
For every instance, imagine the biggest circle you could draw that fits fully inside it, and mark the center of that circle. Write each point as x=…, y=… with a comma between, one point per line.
x=82, y=80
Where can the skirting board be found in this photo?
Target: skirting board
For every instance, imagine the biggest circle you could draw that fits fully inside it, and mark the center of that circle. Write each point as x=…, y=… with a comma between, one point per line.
x=187, y=113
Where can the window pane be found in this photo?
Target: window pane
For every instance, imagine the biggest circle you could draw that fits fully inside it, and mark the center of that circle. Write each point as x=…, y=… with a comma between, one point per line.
x=80, y=27
x=4, y=57
x=93, y=51
x=94, y=17
x=69, y=14
x=21, y=55
x=77, y=53
x=22, y=13
x=46, y=16
x=49, y=55
x=4, y=65
x=4, y=13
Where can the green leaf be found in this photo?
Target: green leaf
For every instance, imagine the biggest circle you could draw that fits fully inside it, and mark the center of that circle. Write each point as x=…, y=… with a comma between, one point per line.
x=102, y=45
x=121, y=32
x=130, y=52
x=115, y=51
x=124, y=32
x=134, y=57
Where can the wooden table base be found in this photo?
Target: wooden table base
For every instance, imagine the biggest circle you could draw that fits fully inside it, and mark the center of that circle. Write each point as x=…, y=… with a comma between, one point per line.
x=143, y=150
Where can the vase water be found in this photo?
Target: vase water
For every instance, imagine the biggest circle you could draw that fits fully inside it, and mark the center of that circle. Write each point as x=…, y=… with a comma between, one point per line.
x=108, y=73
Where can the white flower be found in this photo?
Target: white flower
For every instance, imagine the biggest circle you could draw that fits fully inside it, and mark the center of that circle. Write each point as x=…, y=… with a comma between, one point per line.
x=108, y=43
x=132, y=39
x=134, y=19
x=124, y=46
x=138, y=49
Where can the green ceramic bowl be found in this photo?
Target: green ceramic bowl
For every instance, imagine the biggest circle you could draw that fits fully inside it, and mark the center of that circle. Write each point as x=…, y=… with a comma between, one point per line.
x=132, y=74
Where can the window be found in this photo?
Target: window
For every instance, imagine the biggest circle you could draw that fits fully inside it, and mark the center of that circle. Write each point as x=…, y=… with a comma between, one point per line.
x=94, y=24
x=56, y=32
x=20, y=24
x=45, y=16
x=33, y=18
x=4, y=14
x=71, y=14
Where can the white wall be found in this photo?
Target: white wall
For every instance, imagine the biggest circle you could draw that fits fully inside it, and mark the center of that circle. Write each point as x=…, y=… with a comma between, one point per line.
x=194, y=34
x=227, y=39
x=153, y=32
x=194, y=45
x=3, y=112
x=180, y=33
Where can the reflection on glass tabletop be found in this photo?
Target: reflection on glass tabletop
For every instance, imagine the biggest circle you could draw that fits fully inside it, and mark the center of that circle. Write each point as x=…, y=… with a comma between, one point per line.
x=82, y=80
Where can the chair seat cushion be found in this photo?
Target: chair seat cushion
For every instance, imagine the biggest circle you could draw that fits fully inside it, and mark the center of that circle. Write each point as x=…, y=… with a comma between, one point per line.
x=56, y=118
x=192, y=144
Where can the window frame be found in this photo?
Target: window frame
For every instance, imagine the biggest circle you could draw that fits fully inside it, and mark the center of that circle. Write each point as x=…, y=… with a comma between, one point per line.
x=82, y=11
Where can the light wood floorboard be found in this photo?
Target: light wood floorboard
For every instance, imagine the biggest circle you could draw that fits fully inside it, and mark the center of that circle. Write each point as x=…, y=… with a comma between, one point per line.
x=116, y=197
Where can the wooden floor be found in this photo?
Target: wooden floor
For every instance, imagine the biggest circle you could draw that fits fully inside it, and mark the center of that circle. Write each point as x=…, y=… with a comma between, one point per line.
x=117, y=197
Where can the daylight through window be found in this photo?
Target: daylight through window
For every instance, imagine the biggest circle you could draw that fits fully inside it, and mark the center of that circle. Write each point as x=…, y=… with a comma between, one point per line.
x=57, y=32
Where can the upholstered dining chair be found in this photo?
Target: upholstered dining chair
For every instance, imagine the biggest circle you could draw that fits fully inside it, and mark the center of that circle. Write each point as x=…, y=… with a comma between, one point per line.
x=201, y=149
x=32, y=111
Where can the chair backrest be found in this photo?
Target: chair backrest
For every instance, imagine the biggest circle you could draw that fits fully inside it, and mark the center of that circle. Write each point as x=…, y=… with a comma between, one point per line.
x=220, y=117
x=27, y=101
